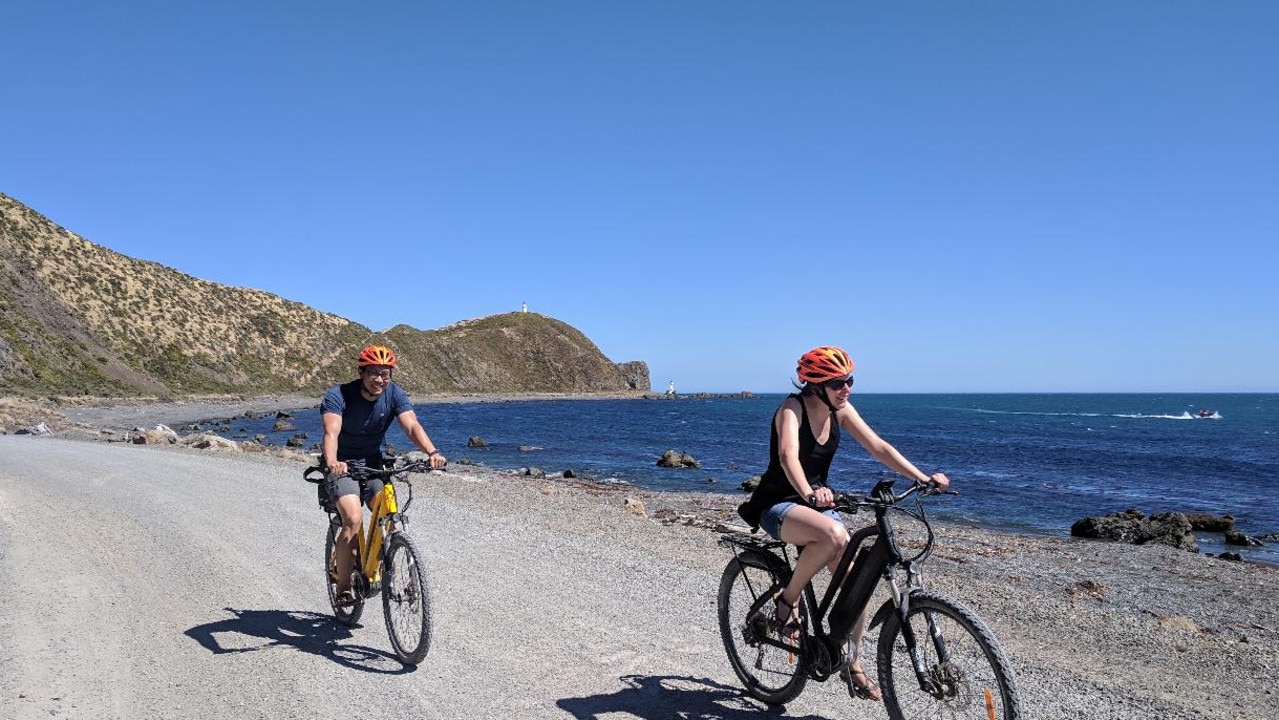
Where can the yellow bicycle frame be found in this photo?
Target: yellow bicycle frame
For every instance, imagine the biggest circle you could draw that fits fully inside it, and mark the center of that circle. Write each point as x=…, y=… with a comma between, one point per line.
x=371, y=540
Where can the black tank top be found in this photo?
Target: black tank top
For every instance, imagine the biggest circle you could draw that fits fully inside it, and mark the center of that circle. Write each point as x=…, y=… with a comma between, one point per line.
x=813, y=457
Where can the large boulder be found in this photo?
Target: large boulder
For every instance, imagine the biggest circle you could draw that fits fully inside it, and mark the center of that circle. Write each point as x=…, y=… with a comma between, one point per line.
x=209, y=441
x=1207, y=522
x=1234, y=537
x=1132, y=526
x=160, y=435
x=675, y=459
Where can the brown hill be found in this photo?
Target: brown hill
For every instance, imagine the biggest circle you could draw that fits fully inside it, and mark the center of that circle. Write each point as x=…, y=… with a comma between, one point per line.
x=77, y=318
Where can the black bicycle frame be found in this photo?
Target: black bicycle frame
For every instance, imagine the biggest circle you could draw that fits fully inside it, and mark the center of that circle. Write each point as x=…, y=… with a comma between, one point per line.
x=845, y=603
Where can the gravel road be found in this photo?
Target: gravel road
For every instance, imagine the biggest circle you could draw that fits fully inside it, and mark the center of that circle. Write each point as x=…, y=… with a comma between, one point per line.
x=138, y=582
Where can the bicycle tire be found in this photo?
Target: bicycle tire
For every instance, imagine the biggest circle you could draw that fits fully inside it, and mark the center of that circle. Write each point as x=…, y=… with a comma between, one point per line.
x=770, y=674
x=350, y=614
x=406, y=600
x=976, y=681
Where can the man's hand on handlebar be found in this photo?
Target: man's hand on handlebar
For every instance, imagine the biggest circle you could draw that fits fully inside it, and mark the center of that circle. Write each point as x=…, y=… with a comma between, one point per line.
x=338, y=469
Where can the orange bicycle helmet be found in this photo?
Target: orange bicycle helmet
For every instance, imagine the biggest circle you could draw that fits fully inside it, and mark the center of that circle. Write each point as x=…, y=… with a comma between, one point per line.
x=824, y=363
x=377, y=355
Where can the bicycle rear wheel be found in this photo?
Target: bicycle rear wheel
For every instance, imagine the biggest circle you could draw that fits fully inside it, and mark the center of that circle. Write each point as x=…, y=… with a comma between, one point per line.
x=349, y=614
x=406, y=600
x=771, y=674
x=961, y=657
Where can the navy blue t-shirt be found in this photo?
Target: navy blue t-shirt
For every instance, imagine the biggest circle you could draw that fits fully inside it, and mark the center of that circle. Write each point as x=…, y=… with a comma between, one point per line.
x=364, y=422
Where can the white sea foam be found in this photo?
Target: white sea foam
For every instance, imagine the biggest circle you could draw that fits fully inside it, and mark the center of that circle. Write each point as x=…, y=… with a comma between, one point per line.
x=1185, y=414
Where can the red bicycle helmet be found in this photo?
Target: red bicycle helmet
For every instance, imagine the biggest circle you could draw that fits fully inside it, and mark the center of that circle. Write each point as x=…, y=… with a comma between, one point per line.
x=377, y=355
x=824, y=363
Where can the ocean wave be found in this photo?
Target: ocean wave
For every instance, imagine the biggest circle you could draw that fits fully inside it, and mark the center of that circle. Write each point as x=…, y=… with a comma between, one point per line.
x=1185, y=414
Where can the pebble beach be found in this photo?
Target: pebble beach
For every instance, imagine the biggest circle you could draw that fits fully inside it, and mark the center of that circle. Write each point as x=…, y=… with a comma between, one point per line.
x=1094, y=629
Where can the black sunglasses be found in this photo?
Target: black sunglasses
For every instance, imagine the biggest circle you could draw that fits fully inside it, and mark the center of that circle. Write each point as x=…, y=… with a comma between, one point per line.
x=838, y=383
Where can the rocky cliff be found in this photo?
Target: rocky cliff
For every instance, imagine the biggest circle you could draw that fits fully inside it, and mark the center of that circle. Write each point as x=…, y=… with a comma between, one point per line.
x=77, y=318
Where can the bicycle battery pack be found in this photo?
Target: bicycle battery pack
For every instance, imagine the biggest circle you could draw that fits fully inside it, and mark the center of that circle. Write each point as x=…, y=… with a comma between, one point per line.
x=869, y=570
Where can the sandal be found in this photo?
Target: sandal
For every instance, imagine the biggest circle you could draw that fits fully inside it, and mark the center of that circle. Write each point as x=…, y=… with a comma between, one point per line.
x=787, y=623
x=859, y=684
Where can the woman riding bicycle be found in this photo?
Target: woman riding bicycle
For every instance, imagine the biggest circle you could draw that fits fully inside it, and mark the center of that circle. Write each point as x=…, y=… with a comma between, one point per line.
x=356, y=417
x=788, y=501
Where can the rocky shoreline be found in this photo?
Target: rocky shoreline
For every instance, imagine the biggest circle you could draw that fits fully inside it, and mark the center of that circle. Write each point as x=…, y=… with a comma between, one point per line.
x=1159, y=632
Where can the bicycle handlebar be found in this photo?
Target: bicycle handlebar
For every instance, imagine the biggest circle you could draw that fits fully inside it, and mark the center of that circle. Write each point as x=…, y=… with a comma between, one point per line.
x=882, y=496
x=317, y=474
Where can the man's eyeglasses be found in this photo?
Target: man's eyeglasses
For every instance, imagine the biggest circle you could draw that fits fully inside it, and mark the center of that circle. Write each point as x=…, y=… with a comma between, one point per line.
x=378, y=374
x=839, y=383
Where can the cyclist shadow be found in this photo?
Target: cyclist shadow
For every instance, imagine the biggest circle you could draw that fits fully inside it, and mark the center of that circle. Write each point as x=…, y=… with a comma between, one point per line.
x=305, y=631
x=651, y=697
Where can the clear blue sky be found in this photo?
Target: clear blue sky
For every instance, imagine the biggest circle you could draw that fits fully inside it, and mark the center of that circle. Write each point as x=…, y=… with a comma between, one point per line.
x=968, y=196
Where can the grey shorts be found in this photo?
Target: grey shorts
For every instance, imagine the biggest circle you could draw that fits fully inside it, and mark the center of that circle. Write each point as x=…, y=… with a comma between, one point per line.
x=771, y=520
x=346, y=485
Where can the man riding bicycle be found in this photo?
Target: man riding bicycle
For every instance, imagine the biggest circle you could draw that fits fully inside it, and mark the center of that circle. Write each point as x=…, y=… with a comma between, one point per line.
x=356, y=416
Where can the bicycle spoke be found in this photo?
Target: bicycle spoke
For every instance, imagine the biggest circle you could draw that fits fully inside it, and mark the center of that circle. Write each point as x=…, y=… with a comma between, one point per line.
x=771, y=666
x=406, y=600
x=966, y=673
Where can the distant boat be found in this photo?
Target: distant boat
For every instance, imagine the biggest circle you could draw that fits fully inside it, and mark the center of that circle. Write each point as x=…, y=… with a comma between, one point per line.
x=1206, y=413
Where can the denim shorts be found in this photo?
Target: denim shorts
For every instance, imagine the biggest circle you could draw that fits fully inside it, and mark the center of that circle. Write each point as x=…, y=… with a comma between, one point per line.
x=771, y=520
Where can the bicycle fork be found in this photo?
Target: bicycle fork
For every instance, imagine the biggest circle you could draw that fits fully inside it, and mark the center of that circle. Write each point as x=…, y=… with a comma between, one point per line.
x=901, y=600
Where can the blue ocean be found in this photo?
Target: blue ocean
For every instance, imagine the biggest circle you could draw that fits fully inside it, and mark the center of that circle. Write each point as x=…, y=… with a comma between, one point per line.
x=1023, y=463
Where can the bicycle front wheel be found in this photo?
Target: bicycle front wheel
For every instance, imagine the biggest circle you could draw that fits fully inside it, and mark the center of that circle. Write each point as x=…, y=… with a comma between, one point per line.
x=968, y=675
x=345, y=614
x=772, y=666
x=406, y=600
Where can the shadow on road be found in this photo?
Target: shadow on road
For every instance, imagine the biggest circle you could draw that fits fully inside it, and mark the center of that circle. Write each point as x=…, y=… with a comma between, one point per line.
x=654, y=697
x=306, y=631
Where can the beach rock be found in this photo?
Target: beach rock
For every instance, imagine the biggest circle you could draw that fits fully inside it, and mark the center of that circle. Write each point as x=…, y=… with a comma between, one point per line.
x=1087, y=588
x=570, y=474
x=1234, y=537
x=1207, y=522
x=161, y=435
x=674, y=459
x=282, y=414
x=209, y=441
x=38, y=429
x=1231, y=556
x=635, y=507
x=535, y=472
x=750, y=483
x=476, y=441
x=282, y=425
x=296, y=441
x=1132, y=526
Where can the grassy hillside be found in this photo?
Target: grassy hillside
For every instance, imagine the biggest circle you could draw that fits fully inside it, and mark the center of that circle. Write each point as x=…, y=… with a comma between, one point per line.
x=78, y=318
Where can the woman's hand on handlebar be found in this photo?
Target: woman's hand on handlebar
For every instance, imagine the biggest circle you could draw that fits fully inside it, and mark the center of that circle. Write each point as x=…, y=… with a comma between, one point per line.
x=437, y=461
x=939, y=481
x=822, y=497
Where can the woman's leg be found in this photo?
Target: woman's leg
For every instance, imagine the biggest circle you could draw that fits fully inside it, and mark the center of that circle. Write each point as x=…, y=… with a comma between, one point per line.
x=823, y=539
